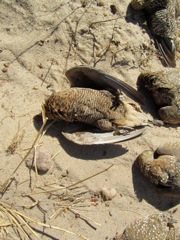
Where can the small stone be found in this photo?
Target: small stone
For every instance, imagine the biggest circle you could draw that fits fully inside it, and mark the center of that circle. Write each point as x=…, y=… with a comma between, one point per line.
x=105, y=13
x=100, y=3
x=64, y=173
x=108, y=194
x=43, y=160
x=5, y=69
x=40, y=65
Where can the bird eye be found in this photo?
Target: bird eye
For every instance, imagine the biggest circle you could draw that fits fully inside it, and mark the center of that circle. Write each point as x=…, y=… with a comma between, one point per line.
x=152, y=81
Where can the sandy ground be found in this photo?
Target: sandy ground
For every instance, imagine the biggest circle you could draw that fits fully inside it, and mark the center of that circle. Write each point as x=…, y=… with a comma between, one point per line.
x=39, y=41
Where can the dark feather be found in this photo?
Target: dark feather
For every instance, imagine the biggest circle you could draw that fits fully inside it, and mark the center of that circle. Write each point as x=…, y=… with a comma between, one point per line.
x=167, y=49
x=85, y=135
x=89, y=77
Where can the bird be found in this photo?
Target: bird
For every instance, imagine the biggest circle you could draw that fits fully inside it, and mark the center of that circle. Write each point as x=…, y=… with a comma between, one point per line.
x=138, y=4
x=98, y=108
x=158, y=226
x=164, y=86
x=150, y=5
x=160, y=17
x=163, y=27
x=169, y=148
x=163, y=171
x=90, y=77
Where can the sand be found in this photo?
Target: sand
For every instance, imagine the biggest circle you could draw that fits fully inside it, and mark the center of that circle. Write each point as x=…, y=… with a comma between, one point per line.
x=39, y=41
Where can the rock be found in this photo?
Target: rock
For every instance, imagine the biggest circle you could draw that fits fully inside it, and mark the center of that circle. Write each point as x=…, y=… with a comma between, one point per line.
x=43, y=160
x=108, y=194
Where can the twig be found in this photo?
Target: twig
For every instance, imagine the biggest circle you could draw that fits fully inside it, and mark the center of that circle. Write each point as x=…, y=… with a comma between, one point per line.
x=36, y=139
x=35, y=164
x=77, y=215
x=73, y=39
x=103, y=21
x=43, y=80
x=84, y=218
x=72, y=185
x=108, y=46
x=7, y=182
x=52, y=158
x=19, y=218
x=14, y=220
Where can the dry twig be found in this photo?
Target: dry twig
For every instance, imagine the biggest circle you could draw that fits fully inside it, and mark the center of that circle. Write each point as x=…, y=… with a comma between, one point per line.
x=21, y=223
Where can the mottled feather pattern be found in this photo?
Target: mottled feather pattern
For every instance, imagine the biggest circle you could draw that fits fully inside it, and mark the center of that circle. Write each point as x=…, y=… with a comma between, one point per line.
x=163, y=170
x=152, y=5
x=156, y=5
x=161, y=19
x=152, y=227
x=164, y=87
x=169, y=148
x=98, y=108
x=163, y=24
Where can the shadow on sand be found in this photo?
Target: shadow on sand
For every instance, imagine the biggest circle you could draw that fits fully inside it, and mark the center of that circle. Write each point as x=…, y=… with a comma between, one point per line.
x=85, y=152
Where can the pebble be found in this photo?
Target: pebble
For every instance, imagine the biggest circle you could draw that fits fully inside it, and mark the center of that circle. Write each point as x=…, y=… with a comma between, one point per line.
x=43, y=160
x=108, y=194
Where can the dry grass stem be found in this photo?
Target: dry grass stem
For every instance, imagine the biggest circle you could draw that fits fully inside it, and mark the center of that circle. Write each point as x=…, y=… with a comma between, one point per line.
x=7, y=182
x=35, y=163
x=83, y=217
x=21, y=222
x=17, y=139
x=72, y=185
x=36, y=139
x=55, y=155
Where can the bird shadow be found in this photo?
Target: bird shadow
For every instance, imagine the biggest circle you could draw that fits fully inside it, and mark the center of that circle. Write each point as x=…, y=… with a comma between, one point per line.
x=137, y=17
x=160, y=198
x=149, y=105
x=85, y=152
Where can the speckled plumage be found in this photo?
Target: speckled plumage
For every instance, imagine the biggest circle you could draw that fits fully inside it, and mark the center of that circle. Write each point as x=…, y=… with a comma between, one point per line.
x=138, y=4
x=99, y=108
x=163, y=27
x=170, y=148
x=160, y=16
x=164, y=87
x=163, y=171
x=150, y=5
x=152, y=227
x=155, y=5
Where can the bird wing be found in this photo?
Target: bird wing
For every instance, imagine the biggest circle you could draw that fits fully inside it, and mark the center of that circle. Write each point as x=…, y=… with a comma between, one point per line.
x=82, y=76
x=167, y=51
x=80, y=135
